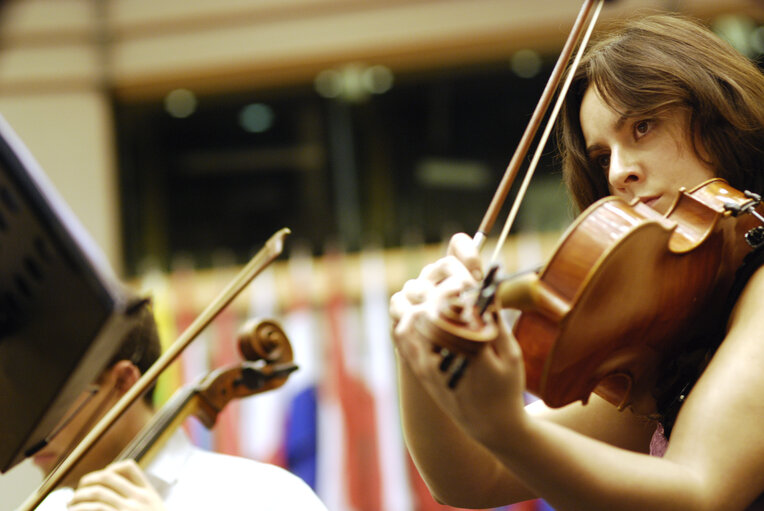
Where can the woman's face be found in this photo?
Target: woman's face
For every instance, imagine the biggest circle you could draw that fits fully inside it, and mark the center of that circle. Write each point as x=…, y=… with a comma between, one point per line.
x=647, y=158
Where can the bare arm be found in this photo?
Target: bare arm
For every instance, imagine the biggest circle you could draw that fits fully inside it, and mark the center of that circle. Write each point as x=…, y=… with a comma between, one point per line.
x=457, y=468
x=584, y=457
x=714, y=459
x=462, y=472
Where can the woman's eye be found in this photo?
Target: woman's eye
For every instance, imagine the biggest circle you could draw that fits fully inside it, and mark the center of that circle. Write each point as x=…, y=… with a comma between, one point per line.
x=641, y=128
x=602, y=161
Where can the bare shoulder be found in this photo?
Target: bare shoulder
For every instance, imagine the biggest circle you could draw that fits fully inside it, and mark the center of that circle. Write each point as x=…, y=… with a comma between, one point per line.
x=737, y=365
x=747, y=311
x=718, y=432
x=600, y=420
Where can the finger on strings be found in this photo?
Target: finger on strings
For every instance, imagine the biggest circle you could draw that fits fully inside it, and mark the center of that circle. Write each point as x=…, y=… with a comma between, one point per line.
x=415, y=290
x=97, y=493
x=444, y=268
x=90, y=506
x=398, y=306
x=463, y=248
x=92, y=478
x=131, y=472
x=408, y=341
x=402, y=313
x=451, y=287
x=110, y=478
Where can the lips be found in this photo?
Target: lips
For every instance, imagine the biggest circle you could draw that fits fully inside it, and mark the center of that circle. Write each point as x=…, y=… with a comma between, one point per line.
x=650, y=201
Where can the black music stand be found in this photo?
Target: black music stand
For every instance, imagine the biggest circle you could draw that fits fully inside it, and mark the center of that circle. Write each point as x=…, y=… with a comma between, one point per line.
x=62, y=310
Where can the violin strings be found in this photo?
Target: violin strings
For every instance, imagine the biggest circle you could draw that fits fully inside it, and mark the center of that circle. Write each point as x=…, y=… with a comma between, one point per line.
x=149, y=434
x=545, y=136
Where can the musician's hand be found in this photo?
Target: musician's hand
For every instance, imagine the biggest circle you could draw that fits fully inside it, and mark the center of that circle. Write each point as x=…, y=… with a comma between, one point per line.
x=121, y=486
x=488, y=400
x=459, y=270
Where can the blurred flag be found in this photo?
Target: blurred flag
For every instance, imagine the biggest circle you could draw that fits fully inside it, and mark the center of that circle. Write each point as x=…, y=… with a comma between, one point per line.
x=360, y=484
x=279, y=426
x=262, y=418
x=157, y=284
x=195, y=361
x=378, y=366
x=225, y=353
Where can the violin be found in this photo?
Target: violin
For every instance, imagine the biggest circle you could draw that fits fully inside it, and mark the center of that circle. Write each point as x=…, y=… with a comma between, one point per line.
x=624, y=290
x=268, y=362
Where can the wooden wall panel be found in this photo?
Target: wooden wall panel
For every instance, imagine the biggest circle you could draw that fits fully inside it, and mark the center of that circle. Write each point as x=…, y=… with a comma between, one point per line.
x=230, y=44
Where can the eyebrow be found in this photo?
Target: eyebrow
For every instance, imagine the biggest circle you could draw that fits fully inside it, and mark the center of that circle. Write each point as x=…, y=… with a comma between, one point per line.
x=618, y=125
x=620, y=122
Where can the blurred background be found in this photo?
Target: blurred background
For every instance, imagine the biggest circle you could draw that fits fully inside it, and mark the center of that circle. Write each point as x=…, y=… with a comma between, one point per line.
x=183, y=133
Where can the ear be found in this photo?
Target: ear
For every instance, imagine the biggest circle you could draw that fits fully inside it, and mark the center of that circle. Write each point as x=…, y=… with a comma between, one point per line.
x=125, y=374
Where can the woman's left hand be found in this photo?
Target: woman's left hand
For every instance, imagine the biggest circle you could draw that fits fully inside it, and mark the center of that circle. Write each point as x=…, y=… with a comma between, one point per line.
x=488, y=398
x=121, y=486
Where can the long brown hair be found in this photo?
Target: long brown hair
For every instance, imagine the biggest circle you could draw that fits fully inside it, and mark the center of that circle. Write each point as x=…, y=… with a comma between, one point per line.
x=663, y=61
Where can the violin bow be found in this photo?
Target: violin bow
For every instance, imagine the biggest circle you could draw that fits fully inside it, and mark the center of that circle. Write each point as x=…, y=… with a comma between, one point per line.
x=510, y=174
x=488, y=286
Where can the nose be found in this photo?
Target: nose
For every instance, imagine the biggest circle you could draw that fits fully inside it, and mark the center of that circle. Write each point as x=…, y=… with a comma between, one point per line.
x=624, y=172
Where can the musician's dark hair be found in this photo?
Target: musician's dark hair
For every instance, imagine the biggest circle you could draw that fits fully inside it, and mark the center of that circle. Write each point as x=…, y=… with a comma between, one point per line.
x=141, y=345
x=646, y=66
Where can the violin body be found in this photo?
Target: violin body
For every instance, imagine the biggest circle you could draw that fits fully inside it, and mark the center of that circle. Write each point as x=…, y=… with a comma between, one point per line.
x=629, y=288
x=625, y=289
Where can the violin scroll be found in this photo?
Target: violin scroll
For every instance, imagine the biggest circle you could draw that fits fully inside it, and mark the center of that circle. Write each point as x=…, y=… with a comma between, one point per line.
x=264, y=339
x=268, y=354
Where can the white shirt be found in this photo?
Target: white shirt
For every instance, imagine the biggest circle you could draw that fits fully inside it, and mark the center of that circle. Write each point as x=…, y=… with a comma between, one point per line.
x=189, y=478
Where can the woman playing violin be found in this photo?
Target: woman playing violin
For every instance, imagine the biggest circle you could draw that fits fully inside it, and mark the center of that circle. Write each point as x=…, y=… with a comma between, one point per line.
x=658, y=104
